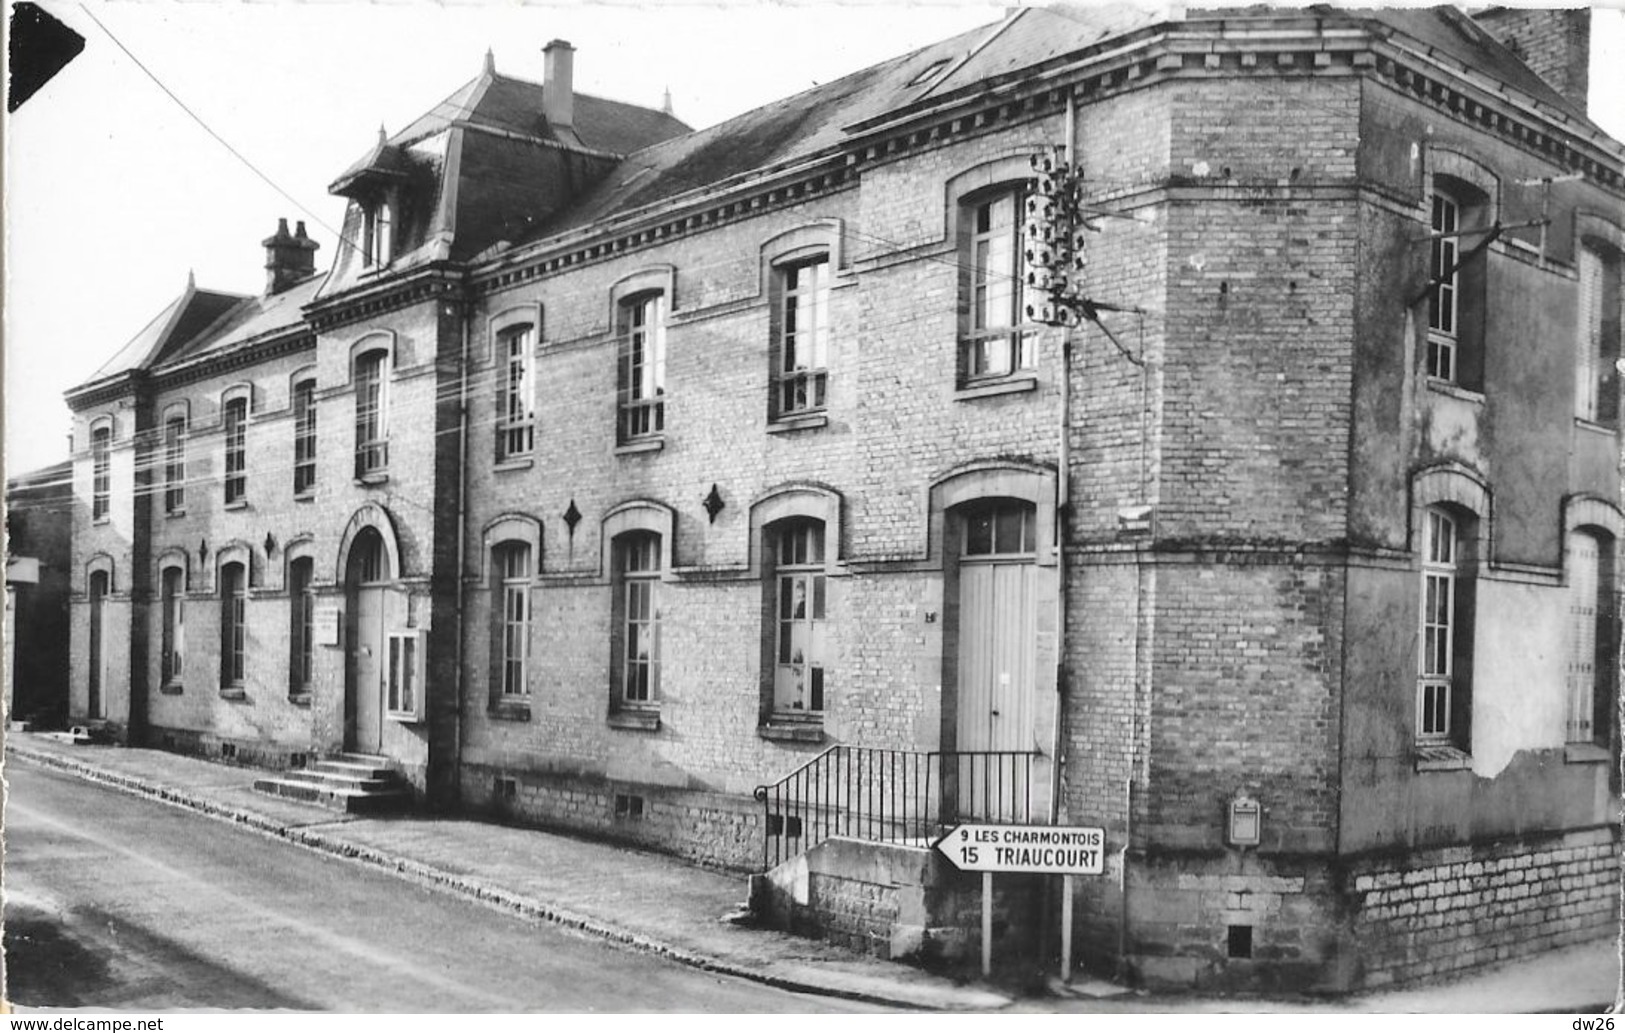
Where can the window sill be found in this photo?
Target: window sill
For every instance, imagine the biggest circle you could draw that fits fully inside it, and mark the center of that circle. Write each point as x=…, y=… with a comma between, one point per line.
x=510, y=465
x=101, y=521
x=640, y=445
x=233, y=692
x=1586, y=753
x=404, y=717
x=636, y=720
x=371, y=480
x=299, y=699
x=305, y=496
x=173, y=688
x=234, y=506
x=1594, y=427
x=1442, y=758
x=1014, y=384
x=1445, y=387
x=800, y=421
x=171, y=514
x=792, y=730
x=509, y=710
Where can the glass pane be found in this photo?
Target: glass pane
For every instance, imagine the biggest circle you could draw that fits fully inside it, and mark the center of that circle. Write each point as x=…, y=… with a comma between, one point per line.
x=979, y=534
x=818, y=597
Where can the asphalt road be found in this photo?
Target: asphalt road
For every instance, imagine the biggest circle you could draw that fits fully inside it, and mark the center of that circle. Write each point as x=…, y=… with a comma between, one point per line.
x=115, y=901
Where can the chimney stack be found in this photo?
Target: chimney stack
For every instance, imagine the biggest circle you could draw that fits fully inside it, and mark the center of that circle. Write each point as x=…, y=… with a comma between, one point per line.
x=1554, y=42
x=288, y=258
x=558, y=87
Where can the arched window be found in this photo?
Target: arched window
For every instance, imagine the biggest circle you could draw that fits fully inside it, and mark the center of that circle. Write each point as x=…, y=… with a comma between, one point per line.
x=800, y=336
x=301, y=627
x=516, y=394
x=1445, y=643
x=1456, y=298
x=236, y=422
x=172, y=662
x=799, y=589
x=175, y=464
x=371, y=414
x=1592, y=678
x=512, y=572
x=233, y=624
x=1597, y=346
x=642, y=334
x=304, y=437
x=993, y=342
x=101, y=475
x=637, y=619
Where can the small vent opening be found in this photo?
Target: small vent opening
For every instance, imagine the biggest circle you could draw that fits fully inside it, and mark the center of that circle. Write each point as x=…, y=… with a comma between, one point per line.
x=1241, y=941
x=628, y=807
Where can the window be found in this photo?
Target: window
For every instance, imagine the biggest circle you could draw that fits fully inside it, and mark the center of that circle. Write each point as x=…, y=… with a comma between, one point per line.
x=513, y=565
x=643, y=367
x=233, y=623
x=1000, y=530
x=378, y=234
x=1456, y=292
x=403, y=696
x=1596, y=387
x=1589, y=572
x=993, y=343
x=801, y=338
x=101, y=488
x=304, y=437
x=1445, y=671
x=800, y=653
x=301, y=626
x=639, y=619
x=174, y=465
x=172, y=657
x=516, y=395
x=371, y=431
x=236, y=450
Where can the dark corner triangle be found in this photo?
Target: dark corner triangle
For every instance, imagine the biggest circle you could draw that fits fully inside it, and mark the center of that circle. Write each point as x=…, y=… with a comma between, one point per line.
x=41, y=46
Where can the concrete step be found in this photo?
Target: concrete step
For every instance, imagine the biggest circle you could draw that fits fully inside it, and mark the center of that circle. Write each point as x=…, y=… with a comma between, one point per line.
x=353, y=768
x=344, y=779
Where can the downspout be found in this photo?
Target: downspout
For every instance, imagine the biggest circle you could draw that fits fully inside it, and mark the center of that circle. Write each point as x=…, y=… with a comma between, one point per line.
x=462, y=541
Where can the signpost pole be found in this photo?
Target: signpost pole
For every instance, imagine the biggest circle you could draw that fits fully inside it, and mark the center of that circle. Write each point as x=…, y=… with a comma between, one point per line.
x=1066, y=930
x=987, y=924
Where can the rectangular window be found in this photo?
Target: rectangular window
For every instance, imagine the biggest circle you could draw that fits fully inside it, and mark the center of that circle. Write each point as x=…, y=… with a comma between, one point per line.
x=513, y=562
x=404, y=677
x=236, y=450
x=1442, y=302
x=994, y=343
x=378, y=234
x=371, y=431
x=1597, y=347
x=174, y=465
x=233, y=624
x=1589, y=571
x=640, y=619
x=516, y=404
x=101, y=460
x=802, y=376
x=800, y=651
x=174, y=629
x=304, y=437
x=301, y=627
x=643, y=367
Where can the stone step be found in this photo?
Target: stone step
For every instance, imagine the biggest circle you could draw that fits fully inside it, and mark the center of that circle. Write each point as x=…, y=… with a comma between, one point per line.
x=338, y=798
x=344, y=779
x=353, y=768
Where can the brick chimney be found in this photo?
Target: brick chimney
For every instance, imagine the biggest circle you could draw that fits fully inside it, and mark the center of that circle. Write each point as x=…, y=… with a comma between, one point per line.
x=1554, y=42
x=558, y=87
x=288, y=258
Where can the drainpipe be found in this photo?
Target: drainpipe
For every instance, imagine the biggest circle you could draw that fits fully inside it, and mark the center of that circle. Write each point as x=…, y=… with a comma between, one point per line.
x=461, y=591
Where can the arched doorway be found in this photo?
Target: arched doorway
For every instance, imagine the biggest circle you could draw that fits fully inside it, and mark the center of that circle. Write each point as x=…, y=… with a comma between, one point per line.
x=96, y=706
x=365, y=585
x=995, y=548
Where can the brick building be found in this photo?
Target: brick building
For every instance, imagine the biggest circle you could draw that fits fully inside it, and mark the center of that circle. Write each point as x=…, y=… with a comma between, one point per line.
x=615, y=470
x=39, y=511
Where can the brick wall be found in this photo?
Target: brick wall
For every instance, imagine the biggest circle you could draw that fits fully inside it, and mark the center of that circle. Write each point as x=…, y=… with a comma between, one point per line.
x=1440, y=911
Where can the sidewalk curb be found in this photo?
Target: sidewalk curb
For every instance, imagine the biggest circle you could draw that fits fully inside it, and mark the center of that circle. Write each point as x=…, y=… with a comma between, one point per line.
x=463, y=886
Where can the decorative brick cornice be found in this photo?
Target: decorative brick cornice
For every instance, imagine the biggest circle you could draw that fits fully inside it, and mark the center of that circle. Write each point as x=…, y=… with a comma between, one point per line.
x=287, y=341
x=441, y=280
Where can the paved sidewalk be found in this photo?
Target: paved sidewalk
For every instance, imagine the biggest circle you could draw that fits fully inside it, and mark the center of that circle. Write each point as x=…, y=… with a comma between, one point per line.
x=658, y=903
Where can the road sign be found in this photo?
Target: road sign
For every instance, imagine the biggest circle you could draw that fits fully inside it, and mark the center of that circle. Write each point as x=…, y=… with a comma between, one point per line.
x=1038, y=849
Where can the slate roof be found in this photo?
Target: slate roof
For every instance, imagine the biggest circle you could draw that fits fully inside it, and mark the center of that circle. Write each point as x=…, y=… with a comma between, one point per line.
x=816, y=120
x=182, y=319
x=250, y=319
x=515, y=105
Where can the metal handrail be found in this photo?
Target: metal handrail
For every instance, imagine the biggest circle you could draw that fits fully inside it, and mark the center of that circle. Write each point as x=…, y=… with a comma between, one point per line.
x=890, y=796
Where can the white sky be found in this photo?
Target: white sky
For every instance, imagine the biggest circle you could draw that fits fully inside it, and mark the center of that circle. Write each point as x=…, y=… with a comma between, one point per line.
x=113, y=193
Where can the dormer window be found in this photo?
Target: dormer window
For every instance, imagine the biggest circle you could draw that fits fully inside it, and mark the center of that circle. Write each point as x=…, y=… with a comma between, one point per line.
x=378, y=233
